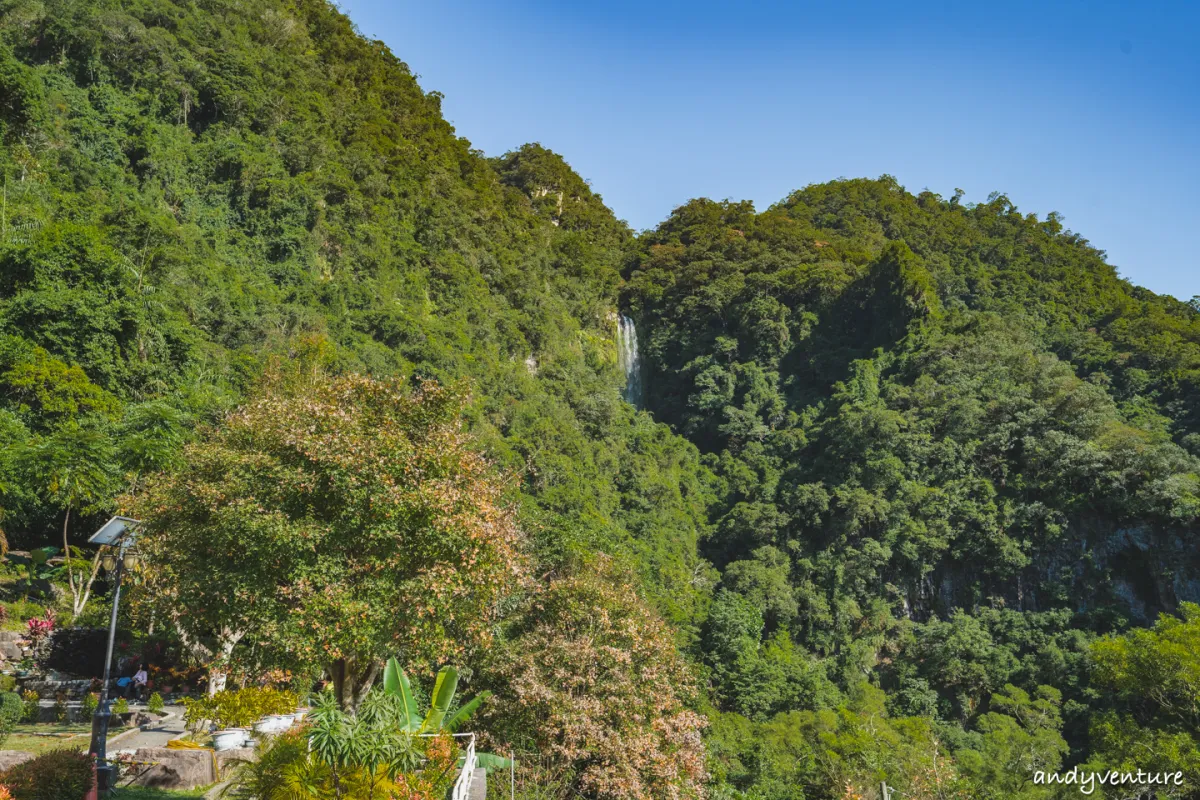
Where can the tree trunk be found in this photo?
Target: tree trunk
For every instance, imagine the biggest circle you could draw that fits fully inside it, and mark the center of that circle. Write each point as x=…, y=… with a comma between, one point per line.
x=217, y=676
x=81, y=602
x=67, y=555
x=218, y=660
x=351, y=681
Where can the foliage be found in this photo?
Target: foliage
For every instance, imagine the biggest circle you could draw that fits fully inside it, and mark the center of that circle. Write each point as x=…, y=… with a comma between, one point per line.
x=121, y=706
x=881, y=427
x=88, y=706
x=11, y=712
x=438, y=771
x=372, y=740
x=1155, y=672
x=835, y=753
x=396, y=684
x=238, y=708
x=589, y=678
x=1151, y=678
x=194, y=191
x=29, y=699
x=182, y=230
x=155, y=704
x=11, y=708
x=919, y=415
x=438, y=719
x=303, y=520
x=55, y=775
x=352, y=756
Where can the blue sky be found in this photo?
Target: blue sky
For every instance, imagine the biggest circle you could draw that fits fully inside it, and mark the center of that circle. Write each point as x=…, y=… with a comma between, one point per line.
x=1089, y=110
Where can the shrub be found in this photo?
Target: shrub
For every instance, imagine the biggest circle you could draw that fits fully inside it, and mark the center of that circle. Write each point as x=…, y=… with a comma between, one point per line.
x=57, y=775
x=593, y=675
x=60, y=707
x=91, y=702
x=197, y=710
x=29, y=699
x=239, y=708
x=155, y=704
x=18, y=611
x=38, y=628
x=11, y=708
x=11, y=711
x=121, y=706
x=7, y=683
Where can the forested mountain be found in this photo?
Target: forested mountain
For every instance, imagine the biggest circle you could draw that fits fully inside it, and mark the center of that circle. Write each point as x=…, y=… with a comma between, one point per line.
x=952, y=445
x=191, y=190
x=908, y=468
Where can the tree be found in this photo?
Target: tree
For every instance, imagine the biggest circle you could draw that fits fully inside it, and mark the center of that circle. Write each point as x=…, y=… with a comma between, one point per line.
x=1018, y=738
x=1155, y=672
x=590, y=680
x=337, y=520
x=75, y=467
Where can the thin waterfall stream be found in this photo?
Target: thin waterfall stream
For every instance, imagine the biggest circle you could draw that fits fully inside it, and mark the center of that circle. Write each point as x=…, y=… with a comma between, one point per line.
x=629, y=361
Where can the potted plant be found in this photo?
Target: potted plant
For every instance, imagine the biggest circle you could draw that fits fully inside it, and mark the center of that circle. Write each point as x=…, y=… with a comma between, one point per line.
x=276, y=709
x=233, y=714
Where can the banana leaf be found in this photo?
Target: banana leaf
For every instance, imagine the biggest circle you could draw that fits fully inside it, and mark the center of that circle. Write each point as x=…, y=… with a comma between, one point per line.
x=443, y=696
x=492, y=762
x=465, y=711
x=395, y=682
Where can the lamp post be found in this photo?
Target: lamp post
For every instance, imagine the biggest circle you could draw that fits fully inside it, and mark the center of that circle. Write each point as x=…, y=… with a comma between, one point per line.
x=119, y=533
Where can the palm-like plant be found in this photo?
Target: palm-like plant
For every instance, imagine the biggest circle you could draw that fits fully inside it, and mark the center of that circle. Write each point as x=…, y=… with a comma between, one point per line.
x=396, y=684
x=435, y=719
x=374, y=739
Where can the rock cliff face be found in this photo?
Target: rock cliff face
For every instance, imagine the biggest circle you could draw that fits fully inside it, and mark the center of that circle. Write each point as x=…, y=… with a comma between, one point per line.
x=1139, y=572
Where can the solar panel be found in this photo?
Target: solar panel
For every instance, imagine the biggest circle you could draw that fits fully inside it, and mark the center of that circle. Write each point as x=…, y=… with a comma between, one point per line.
x=113, y=530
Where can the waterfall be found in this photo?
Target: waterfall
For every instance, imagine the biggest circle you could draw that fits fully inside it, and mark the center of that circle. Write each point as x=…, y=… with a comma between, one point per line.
x=628, y=361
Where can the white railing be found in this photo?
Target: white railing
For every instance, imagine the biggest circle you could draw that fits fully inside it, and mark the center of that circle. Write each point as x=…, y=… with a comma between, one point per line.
x=462, y=784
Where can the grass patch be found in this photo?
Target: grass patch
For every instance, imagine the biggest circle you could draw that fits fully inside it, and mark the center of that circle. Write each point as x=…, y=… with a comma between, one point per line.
x=43, y=736
x=142, y=793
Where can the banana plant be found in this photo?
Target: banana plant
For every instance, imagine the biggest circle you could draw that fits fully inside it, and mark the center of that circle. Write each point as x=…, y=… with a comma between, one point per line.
x=396, y=683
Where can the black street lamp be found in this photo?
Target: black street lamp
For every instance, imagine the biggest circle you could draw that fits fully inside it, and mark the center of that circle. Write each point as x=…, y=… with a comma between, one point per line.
x=118, y=533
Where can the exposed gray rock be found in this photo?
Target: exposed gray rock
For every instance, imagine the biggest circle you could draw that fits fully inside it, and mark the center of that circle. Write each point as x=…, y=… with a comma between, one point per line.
x=176, y=769
x=228, y=759
x=10, y=758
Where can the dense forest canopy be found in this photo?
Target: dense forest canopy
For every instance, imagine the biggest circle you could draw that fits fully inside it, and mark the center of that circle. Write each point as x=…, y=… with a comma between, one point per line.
x=907, y=465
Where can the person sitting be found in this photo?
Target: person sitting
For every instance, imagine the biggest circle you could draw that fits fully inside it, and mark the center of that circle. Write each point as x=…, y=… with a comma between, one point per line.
x=140, y=679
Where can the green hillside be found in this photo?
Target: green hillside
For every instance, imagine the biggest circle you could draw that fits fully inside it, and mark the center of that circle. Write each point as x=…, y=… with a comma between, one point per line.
x=908, y=472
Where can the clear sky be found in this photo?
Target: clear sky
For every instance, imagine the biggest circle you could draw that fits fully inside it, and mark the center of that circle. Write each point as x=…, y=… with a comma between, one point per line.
x=1091, y=110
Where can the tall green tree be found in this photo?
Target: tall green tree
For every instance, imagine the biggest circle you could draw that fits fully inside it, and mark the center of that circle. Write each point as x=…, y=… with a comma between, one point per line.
x=75, y=467
x=337, y=520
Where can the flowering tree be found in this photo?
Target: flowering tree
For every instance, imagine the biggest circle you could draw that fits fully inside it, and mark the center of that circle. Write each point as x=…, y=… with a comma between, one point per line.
x=339, y=521
x=591, y=680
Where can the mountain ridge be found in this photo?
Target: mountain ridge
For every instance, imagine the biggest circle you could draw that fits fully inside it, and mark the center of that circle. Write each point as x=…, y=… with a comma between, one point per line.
x=902, y=460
